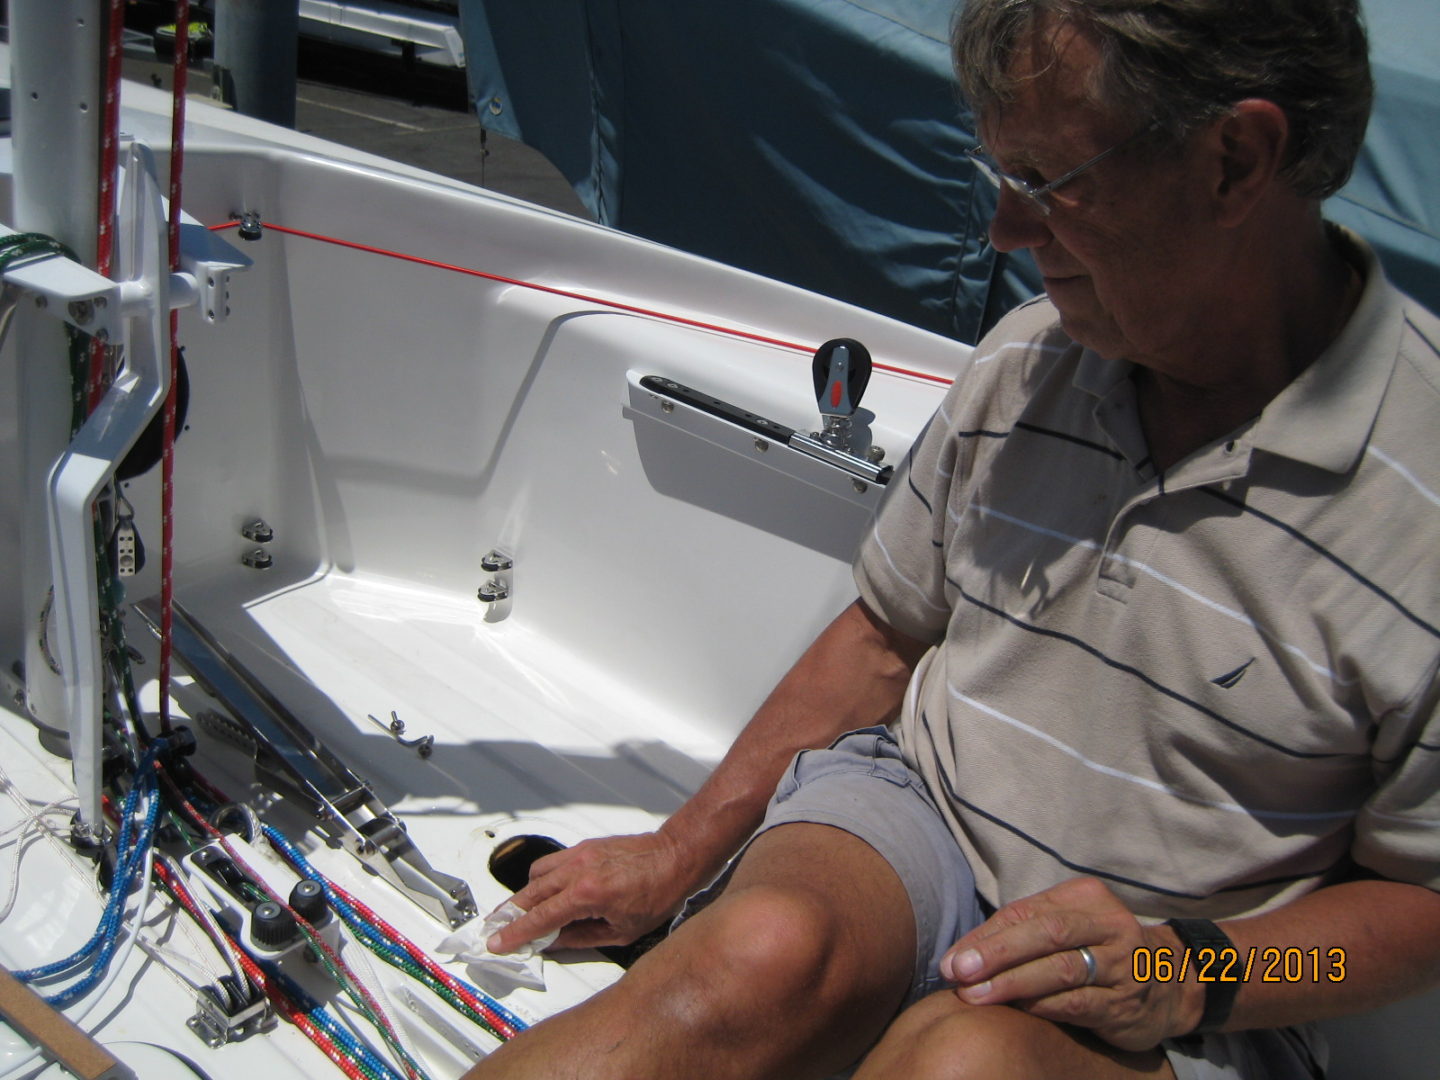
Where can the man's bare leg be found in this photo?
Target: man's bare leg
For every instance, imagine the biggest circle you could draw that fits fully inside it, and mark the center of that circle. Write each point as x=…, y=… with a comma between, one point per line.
x=942, y=1038
x=793, y=972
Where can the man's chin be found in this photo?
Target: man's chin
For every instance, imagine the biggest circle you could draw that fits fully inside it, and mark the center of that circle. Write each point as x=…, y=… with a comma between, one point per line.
x=1085, y=329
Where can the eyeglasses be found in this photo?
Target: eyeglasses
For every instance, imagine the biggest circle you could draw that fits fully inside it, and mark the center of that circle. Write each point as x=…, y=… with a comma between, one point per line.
x=1039, y=197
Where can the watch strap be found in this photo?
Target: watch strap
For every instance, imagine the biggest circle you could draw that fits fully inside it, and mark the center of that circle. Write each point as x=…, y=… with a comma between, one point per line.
x=1197, y=934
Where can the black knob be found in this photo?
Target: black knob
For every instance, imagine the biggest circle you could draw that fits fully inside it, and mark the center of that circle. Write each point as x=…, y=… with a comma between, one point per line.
x=307, y=899
x=251, y=227
x=272, y=926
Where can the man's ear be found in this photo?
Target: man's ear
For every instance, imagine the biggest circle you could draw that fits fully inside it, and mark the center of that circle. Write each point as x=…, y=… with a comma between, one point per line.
x=1249, y=147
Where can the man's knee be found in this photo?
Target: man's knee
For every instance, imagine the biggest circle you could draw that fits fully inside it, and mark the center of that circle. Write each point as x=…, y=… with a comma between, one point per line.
x=772, y=940
x=942, y=1038
x=740, y=966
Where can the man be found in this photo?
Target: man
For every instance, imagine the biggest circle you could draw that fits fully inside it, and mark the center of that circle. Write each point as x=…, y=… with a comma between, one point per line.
x=1158, y=569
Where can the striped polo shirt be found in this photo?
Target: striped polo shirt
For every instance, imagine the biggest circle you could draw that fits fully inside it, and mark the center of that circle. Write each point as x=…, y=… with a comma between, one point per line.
x=1214, y=688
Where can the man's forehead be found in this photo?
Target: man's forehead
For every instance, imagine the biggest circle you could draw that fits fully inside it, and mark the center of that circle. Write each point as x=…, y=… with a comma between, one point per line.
x=1052, y=73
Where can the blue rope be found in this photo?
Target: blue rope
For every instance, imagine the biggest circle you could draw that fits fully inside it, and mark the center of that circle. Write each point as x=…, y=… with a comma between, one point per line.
x=318, y=1015
x=130, y=864
x=368, y=933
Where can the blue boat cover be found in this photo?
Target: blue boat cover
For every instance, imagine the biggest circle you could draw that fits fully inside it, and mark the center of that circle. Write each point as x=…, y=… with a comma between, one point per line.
x=822, y=142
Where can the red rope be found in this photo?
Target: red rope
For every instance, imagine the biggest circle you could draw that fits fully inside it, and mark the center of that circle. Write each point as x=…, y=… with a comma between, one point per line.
x=583, y=297
x=316, y=942
x=284, y=1004
x=454, y=985
x=105, y=210
x=181, y=71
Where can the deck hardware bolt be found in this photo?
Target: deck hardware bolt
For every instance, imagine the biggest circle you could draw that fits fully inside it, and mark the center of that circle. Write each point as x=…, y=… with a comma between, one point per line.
x=875, y=455
x=667, y=406
x=860, y=486
x=424, y=745
x=82, y=311
x=497, y=587
x=259, y=559
x=761, y=445
x=257, y=531
x=492, y=591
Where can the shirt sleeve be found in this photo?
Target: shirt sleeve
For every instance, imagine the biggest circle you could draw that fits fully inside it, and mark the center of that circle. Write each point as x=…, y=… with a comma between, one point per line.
x=1397, y=832
x=900, y=568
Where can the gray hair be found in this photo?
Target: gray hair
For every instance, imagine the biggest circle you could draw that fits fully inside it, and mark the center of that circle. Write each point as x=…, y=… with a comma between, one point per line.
x=1182, y=63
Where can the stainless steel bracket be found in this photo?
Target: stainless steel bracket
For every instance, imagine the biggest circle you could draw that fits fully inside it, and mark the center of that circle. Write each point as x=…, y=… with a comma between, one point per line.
x=495, y=591
x=289, y=757
x=215, y=1027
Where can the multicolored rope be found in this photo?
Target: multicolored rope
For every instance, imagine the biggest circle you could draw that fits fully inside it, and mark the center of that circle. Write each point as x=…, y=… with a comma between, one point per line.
x=395, y=949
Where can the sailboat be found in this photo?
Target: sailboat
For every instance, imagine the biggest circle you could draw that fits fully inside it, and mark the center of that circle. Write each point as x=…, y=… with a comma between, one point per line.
x=478, y=526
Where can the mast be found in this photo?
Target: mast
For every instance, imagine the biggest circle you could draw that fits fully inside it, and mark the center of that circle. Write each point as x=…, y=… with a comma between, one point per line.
x=56, y=60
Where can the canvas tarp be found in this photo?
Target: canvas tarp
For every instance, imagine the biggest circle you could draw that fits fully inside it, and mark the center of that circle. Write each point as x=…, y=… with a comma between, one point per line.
x=821, y=142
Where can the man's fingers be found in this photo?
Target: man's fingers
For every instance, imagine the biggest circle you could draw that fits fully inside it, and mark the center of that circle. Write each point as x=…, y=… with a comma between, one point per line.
x=1042, y=978
x=548, y=864
x=547, y=908
x=545, y=880
x=976, y=956
x=589, y=934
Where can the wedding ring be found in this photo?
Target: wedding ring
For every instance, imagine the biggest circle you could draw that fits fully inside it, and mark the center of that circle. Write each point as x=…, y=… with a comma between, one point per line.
x=1089, y=958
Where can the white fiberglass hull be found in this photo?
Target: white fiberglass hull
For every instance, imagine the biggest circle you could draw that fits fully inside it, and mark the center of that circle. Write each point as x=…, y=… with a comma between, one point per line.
x=393, y=422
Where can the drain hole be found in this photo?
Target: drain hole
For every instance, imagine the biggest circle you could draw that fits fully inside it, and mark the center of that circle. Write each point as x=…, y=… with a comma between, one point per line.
x=510, y=864
x=511, y=860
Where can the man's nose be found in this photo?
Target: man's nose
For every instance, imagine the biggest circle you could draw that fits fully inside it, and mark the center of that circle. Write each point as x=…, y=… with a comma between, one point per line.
x=1017, y=224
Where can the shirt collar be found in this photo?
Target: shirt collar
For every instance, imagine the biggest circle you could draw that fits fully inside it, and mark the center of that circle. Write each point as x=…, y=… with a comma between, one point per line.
x=1324, y=417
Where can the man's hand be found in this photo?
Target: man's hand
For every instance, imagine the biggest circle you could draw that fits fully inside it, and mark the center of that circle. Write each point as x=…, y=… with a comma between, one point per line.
x=603, y=892
x=1026, y=955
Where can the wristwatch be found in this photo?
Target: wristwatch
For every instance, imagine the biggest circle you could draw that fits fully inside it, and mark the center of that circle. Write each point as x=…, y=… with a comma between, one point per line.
x=1197, y=934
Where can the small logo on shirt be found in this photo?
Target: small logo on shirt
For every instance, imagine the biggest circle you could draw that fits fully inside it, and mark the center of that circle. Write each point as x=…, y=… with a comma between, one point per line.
x=1230, y=678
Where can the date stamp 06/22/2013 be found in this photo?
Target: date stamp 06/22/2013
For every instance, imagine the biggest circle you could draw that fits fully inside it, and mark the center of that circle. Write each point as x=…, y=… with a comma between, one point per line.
x=1272, y=964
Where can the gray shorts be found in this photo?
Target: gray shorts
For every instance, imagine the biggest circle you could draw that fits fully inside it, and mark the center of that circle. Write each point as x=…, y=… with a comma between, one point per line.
x=863, y=786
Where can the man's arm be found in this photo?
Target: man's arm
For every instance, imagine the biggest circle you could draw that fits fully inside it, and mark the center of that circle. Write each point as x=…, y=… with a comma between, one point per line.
x=613, y=890
x=1371, y=943
x=1351, y=947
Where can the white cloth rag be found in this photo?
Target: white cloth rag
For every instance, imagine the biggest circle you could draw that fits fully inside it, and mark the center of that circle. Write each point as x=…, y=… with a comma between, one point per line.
x=493, y=972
